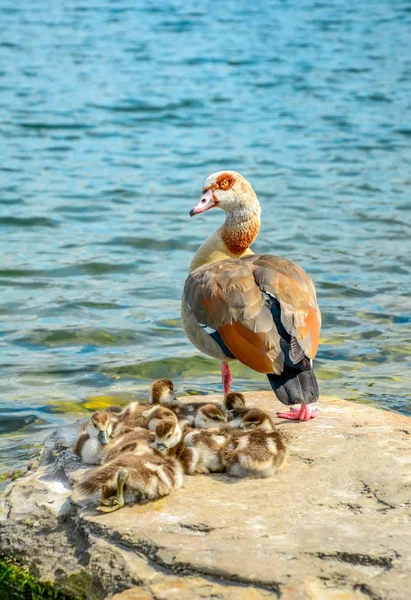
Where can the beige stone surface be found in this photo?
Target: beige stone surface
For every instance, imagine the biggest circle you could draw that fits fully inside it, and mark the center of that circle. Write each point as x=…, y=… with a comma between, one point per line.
x=335, y=524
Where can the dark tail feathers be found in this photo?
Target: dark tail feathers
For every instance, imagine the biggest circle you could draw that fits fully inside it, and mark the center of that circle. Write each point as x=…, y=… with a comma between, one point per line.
x=294, y=386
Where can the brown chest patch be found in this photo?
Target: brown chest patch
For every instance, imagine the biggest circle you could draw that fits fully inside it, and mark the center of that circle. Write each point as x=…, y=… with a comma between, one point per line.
x=238, y=240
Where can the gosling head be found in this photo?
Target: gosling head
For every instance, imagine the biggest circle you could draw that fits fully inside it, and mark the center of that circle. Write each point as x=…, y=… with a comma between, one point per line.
x=156, y=415
x=168, y=435
x=254, y=419
x=162, y=392
x=209, y=415
x=233, y=402
x=100, y=426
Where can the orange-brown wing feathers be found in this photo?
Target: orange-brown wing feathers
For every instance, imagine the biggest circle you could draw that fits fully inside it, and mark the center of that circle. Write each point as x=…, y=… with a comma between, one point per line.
x=228, y=296
x=295, y=292
x=236, y=308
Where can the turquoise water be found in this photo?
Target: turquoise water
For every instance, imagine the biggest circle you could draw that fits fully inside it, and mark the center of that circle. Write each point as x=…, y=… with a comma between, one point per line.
x=112, y=114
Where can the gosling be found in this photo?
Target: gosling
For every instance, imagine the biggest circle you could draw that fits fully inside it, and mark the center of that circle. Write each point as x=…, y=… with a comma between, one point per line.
x=94, y=436
x=234, y=405
x=209, y=415
x=137, y=441
x=255, y=453
x=199, y=451
x=148, y=418
x=129, y=479
x=162, y=392
x=253, y=418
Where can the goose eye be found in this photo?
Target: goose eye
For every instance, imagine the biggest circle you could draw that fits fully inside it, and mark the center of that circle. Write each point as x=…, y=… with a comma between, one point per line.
x=224, y=184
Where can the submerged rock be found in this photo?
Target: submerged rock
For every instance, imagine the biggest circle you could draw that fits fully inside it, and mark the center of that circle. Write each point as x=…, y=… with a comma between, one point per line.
x=333, y=525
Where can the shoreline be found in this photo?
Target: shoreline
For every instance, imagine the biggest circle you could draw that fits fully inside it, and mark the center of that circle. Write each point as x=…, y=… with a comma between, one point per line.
x=335, y=521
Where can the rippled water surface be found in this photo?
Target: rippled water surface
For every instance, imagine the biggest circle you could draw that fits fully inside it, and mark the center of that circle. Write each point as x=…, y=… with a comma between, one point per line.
x=112, y=114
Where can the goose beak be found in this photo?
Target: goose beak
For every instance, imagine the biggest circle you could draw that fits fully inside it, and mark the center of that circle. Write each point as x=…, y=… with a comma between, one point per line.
x=207, y=201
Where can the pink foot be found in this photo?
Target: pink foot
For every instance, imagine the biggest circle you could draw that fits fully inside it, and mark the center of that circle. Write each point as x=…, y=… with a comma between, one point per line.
x=226, y=377
x=304, y=413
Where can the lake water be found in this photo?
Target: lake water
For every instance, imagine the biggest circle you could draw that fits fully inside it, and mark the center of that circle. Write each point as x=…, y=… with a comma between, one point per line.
x=112, y=114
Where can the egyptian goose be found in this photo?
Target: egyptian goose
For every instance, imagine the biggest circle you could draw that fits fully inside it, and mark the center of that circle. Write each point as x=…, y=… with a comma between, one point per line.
x=259, y=309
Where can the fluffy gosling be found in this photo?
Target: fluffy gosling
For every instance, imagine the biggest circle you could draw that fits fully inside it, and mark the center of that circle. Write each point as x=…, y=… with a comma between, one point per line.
x=255, y=453
x=137, y=441
x=162, y=392
x=94, y=436
x=253, y=418
x=129, y=478
x=209, y=415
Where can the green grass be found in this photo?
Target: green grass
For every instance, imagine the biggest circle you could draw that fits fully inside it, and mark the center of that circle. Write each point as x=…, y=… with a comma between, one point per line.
x=17, y=584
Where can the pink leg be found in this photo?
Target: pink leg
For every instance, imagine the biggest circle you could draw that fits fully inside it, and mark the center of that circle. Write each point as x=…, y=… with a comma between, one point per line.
x=304, y=413
x=226, y=377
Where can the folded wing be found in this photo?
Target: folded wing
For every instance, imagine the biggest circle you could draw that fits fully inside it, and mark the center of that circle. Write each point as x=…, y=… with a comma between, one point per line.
x=263, y=307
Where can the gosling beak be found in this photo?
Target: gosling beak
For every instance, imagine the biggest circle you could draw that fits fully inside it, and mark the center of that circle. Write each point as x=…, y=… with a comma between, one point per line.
x=103, y=438
x=161, y=447
x=207, y=201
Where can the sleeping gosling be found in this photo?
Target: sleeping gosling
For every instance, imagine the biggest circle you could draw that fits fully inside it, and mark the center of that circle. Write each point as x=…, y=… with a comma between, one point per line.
x=137, y=441
x=255, y=453
x=148, y=418
x=253, y=418
x=209, y=415
x=199, y=451
x=129, y=479
x=234, y=405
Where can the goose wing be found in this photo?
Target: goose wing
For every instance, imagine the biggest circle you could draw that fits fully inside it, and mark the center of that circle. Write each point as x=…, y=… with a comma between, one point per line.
x=263, y=306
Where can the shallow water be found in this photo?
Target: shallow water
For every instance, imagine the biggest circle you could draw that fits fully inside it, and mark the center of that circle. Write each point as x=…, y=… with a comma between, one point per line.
x=112, y=114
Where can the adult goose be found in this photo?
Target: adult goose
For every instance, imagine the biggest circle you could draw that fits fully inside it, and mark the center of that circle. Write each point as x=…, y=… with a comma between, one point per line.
x=260, y=309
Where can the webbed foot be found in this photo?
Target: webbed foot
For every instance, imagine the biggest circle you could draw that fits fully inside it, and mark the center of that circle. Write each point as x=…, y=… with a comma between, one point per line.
x=304, y=413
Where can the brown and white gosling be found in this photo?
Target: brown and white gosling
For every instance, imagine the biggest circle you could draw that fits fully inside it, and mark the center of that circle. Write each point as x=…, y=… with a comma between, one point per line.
x=94, y=436
x=129, y=478
x=148, y=418
x=209, y=415
x=253, y=418
x=162, y=392
x=137, y=441
x=234, y=405
x=255, y=453
x=199, y=451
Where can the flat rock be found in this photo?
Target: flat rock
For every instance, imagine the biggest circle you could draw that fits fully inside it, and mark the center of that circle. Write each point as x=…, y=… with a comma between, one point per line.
x=335, y=524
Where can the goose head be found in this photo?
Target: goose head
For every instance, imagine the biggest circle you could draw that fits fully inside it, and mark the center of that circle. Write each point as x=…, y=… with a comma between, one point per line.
x=227, y=190
x=100, y=427
x=168, y=434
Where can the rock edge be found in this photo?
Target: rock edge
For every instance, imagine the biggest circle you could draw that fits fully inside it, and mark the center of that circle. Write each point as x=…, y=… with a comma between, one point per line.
x=334, y=525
